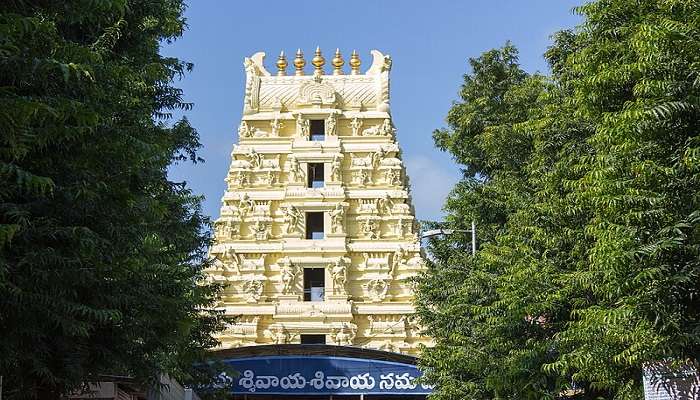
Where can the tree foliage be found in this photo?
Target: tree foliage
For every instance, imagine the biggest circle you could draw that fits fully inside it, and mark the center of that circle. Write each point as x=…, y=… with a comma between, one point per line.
x=101, y=255
x=583, y=185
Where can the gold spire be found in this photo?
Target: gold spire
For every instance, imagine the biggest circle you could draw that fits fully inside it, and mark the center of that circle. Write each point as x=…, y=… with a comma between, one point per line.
x=282, y=64
x=355, y=63
x=338, y=63
x=299, y=63
x=318, y=61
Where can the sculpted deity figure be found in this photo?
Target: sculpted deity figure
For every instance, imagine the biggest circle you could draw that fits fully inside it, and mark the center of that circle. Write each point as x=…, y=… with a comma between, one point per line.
x=377, y=289
x=245, y=205
x=256, y=159
x=244, y=130
x=261, y=230
x=396, y=261
x=331, y=125
x=345, y=335
x=233, y=259
x=275, y=127
x=386, y=128
x=303, y=127
x=339, y=275
x=288, y=274
x=393, y=177
x=226, y=229
x=370, y=229
x=253, y=289
x=336, y=172
x=293, y=217
x=355, y=125
x=296, y=174
x=385, y=204
x=277, y=334
x=337, y=218
x=241, y=178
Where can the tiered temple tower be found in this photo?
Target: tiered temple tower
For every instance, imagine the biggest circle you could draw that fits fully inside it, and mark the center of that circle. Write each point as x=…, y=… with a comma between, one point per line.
x=317, y=238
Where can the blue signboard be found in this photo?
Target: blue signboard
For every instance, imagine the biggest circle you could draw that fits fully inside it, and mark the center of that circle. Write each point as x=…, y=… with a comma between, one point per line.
x=324, y=375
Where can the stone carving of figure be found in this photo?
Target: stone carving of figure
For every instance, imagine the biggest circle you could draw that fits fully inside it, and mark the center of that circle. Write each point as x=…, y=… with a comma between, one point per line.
x=337, y=218
x=226, y=229
x=303, y=126
x=275, y=127
x=256, y=159
x=336, y=172
x=330, y=125
x=244, y=130
x=378, y=156
x=241, y=178
x=377, y=289
x=245, y=205
x=277, y=334
x=393, y=177
x=293, y=217
x=345, y=335
x=339, y=275
x=253, y=289
x=370, y=229
x=386, y=128
x=396, y=261
x=355, y=125
x=296, y=174
x=385, y=204
x=261, y=230
x=288, y=274
x=232, y=259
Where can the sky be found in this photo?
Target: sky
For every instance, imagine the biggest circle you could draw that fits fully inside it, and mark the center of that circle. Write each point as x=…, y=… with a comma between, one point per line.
x=430, y=43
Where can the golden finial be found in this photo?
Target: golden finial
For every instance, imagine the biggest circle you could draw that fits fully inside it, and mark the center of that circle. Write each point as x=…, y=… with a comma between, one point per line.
x=338, y=63
x=299, y=63
x=318, y=61
x=282, y=64
x=355, y=63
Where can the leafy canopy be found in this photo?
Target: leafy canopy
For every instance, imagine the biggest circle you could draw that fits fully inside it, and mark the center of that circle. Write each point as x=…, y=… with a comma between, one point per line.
x=101, y=255
x=583, y=187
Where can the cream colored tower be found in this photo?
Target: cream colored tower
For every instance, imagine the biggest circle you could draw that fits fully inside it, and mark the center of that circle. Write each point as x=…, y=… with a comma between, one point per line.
x=317, y=239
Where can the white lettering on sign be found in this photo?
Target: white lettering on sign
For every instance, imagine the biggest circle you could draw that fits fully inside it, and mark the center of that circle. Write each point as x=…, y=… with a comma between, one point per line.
x=320, y=381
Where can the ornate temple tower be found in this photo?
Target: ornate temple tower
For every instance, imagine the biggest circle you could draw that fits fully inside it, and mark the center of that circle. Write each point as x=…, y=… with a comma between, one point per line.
x=317, y=238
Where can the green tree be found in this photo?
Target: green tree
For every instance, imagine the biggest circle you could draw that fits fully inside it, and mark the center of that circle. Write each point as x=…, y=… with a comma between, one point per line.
x=581, y=184
x=101, y=255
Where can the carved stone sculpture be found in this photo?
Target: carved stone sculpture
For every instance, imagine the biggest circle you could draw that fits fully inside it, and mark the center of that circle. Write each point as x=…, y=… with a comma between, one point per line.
x=336, y=170
x=370, y=229
x=244, y=130
x=245, y=205
x=385, y=204
x=303, y=127
x=293, y=219
x=288, y=274
x=377, y=289
x=277, y=334
x=331, y=122
x=339, y=275
x=355, y=125
x=296, y=174
x=260, y=230
x=345, y=335
x=253, y=289
x=337, y=218
x=275, y=126
x=396, y=261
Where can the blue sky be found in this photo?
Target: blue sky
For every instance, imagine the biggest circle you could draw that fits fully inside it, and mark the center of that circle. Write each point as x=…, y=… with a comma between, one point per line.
x=429, y=41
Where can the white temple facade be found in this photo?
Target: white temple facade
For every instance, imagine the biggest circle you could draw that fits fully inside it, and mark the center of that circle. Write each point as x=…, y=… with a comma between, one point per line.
x=317, y=240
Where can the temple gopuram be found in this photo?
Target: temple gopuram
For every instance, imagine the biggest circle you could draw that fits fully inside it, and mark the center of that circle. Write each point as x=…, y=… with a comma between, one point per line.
x=317, y=241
